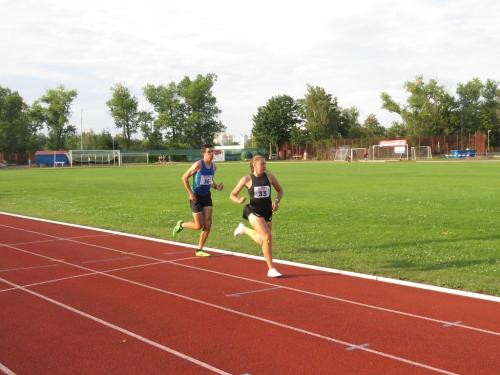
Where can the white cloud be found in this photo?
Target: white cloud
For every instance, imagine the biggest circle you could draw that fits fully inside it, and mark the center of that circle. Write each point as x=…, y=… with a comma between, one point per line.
x=355, y=50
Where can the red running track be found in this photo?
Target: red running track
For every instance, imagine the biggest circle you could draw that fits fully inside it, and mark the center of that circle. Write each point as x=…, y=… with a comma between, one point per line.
x=77, y=300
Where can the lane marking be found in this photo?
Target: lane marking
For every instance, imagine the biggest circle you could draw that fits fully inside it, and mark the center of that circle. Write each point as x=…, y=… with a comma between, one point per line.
x=332, y=298
x=104, y=260
x=255, y=257
x=6, y=370
x=452, y=324
x=84, y=275
x=179, y=252
x=58, y=239
x=354, y=347
x=252, y=292
x=120, y=329
x=254, y=317
x=28, y=268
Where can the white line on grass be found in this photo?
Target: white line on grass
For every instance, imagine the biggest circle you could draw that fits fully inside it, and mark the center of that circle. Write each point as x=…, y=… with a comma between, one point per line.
x=222, y=308
x=120, y=329
x=174, y=262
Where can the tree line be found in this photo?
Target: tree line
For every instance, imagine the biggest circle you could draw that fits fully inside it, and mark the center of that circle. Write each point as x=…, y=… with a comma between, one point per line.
x=185, y=114
x=429, y=110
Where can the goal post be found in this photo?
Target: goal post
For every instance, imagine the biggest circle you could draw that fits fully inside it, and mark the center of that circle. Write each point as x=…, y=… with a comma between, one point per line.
x=134, y=158
x=359, y=153
x=94, y=157
x=391, y=150
x=421, y=153
x=343, y=154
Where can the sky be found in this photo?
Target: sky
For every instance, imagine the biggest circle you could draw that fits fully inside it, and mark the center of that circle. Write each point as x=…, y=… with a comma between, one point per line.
x=258, y=49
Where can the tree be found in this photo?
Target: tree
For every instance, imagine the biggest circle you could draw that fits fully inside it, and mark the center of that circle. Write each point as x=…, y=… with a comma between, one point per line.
x=201, y=122
x=18, y=134
x=350, y=125
x=372, y=128
x=430, y=110
x=479, y=104
x=53, y=111
x=124, y=109
x=170, y=112
x=322, y=114
x=274, y=122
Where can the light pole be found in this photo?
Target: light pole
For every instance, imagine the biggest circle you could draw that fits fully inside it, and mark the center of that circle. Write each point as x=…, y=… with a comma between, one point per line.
x=81, y=130
x=488, y=149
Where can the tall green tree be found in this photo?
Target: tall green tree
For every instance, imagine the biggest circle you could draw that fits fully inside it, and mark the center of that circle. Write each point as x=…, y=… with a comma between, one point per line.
x=53, y=110
x=372, y=128
x=201, y=122
x=349, y=120
x=124, y=108
x=273, y=123
x=429, y=109
x=18, y=134
x=322, y=114
x=479, y=104
x=171, y=112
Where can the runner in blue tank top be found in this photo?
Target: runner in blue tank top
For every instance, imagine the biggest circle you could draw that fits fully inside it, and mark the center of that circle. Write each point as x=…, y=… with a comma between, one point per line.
x=200, y=199
x=259, y=212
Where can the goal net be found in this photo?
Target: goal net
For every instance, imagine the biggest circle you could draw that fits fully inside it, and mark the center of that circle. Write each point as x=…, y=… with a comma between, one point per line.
x=94, y=157
x=421, y=153
x=358, y=154
x=391, y=150
x=343, y=154
x=134, y=158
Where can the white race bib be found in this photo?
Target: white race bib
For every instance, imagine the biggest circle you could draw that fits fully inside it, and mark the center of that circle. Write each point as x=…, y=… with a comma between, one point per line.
x=206, y=179
x=261, y=192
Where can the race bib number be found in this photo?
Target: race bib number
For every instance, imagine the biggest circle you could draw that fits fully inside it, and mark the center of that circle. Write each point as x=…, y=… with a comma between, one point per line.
x=262, y=192
x=206, y=179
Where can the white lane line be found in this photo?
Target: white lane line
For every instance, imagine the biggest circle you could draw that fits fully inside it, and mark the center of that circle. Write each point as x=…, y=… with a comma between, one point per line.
x=255, y=317
x=354, y=347
x=252, y=292
x=382, y=279
x=104, y=260
x=84, y=275
x=57, y=239
x=179, y=252
x=452, y=324
x=6, y=370
x=28, y=268
x=120, y=329
x=332, y=298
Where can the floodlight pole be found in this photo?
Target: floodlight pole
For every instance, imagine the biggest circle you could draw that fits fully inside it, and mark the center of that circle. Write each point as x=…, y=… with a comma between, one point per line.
x=81, y=129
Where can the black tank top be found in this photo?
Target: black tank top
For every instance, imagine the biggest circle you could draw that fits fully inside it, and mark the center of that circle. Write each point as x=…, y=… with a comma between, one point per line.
x=260, y=194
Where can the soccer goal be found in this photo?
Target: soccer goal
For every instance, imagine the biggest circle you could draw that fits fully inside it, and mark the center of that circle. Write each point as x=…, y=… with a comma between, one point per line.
x=359, y=153
x=421, y=153
x=391, y=150
x=94, y=157
x=343, y=154
x=134, y=158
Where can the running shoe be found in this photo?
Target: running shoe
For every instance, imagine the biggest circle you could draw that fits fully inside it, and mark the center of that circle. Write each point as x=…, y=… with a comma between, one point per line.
x=273, y=273
x=178, y=228
x=202, y=253
x=239, y=230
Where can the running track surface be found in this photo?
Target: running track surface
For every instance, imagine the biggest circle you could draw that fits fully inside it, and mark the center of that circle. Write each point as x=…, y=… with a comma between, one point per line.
x=81, y=301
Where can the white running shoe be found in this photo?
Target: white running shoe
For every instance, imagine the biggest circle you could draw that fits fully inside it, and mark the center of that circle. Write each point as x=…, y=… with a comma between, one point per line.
x=273, y=273
x=239, y=230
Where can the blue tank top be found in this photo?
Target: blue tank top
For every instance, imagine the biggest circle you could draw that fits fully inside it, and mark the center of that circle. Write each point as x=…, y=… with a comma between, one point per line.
x=202, y=180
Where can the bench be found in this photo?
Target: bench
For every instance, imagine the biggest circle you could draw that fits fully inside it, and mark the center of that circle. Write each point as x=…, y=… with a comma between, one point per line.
x=59, y=163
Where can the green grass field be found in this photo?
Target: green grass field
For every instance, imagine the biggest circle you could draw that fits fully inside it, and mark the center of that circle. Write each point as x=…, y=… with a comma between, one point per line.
x=436, y=223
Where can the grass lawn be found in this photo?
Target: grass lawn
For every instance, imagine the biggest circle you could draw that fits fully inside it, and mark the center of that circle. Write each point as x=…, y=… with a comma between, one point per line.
x=436, y=223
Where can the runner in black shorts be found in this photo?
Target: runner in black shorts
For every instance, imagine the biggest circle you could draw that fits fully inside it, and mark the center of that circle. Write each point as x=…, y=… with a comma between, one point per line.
x=200, y=199
x=259, y=212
